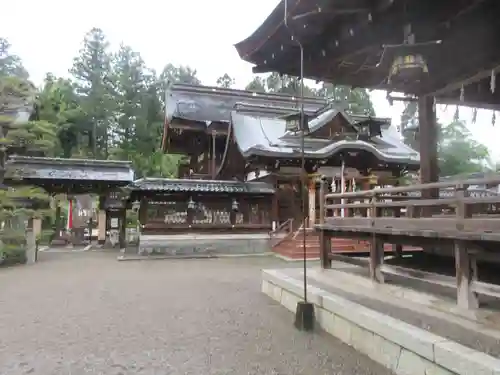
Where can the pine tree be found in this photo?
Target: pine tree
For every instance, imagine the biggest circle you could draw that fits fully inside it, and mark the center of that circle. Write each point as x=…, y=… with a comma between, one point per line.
x=20, y=133
x=130, y=88
x=92, y=73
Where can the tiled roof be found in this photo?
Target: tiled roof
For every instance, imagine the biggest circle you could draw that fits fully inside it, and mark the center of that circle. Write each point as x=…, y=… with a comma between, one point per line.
x=261, y=136
x=23, y=167
x=214, y=104
x=201, y=186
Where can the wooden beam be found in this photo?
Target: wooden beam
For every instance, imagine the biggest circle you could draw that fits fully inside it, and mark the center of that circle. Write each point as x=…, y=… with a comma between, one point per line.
x=469, y=78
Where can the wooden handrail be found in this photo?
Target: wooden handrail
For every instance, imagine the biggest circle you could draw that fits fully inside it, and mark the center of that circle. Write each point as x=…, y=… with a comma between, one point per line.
x=287, y=224
x=458, y=219
x=495, y=179
x=283, y=225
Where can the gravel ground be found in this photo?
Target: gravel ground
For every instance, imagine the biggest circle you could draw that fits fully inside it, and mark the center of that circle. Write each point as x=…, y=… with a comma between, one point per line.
x=86, y=313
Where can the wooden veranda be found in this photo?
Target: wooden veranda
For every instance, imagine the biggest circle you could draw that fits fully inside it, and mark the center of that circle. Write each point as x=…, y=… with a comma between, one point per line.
x=466, y=227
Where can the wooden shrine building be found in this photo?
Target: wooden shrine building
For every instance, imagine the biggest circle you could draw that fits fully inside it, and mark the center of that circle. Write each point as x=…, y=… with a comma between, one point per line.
x=197, y=123
x=73, y=177
x=241, y=135
x=193, y=216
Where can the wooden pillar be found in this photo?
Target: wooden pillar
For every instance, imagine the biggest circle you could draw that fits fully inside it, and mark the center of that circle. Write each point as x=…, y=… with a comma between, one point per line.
x=365, y=185
x=324, y=236
x=397, y=248
x=466, y=273
x=312, y=202
x=275, y=208
x=143, y=212
x=428, y=133
x=122, y=235
x=232, y=212
x=376, y=250
x=31, y=248
x=214, y=164
x=101, y=227
x=58, y=221
x=465, y=264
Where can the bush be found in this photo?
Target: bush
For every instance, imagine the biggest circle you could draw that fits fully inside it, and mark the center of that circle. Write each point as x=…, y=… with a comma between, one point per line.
x=45, y=237
x=11, y=254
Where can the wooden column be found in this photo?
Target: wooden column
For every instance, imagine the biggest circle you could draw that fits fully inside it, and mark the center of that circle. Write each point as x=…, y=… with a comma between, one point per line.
x=428, y=133
x=232, y=213
x=274, y=209
x=143, y=212
x=58, y=221
x=102, y=221
x=465, y=264
x=312, y=202
x=214, y=164
x=397, y=248
x=325, y=237
x=365, y=185
x=31, y=248
x=123, y=230
x=376, y=250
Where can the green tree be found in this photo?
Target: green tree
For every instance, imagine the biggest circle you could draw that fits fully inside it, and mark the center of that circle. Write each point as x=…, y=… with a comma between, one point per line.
x=20, y=133
x=92, y=74
x=225, y=81
x=409, y=124
x=459, y=152
x=129, y=87
x=10, y=65
x=257, y=84
x=285, y=84
x=59, y=104
x=180, y=74
x=354, y=101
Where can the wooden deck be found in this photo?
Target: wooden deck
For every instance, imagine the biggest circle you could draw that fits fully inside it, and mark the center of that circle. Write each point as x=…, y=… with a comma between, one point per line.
x=465, y=226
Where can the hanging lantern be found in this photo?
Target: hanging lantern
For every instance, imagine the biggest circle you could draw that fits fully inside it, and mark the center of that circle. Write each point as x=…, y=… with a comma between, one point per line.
x=373, y=179
x=191, y=204
x=136, y=205
x=235, y=205
x=408, y=69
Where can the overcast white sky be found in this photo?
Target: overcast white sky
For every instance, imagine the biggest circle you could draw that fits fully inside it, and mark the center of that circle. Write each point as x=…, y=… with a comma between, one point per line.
x=48, y=34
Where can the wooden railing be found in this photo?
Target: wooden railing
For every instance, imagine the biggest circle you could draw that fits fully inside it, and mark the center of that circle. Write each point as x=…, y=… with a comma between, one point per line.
x=435, y=213
x=282, y=232
x=443, y=209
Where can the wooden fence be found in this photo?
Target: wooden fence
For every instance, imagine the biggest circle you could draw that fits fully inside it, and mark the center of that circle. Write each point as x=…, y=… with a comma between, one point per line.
x=447, y=213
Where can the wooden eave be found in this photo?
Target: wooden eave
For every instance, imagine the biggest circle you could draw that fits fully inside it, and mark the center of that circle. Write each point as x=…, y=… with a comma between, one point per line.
x=347, y=49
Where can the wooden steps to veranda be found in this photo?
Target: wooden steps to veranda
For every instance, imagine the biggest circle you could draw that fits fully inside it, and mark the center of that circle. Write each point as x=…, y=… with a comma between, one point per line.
x=291, y=247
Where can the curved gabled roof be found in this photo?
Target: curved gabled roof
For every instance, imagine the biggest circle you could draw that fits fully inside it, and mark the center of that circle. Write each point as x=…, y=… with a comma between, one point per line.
x=214, y=104
x=268, y=137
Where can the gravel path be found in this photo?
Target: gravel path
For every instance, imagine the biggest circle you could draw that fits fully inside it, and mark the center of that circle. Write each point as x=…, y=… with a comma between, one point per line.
x=87, y=313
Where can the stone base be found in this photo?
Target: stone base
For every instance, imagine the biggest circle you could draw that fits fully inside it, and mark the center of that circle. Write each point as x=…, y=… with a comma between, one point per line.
x=401, y=347
x=304, y=316
x=195, y=244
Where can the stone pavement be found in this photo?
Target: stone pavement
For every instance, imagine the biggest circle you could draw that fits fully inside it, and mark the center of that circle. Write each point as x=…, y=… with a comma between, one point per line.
x=86, y=313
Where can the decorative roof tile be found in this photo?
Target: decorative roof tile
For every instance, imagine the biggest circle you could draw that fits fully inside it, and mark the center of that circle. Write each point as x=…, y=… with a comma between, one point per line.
x=201, y=186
